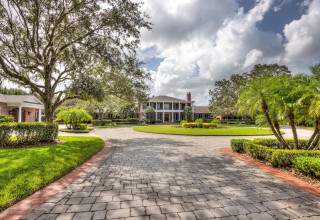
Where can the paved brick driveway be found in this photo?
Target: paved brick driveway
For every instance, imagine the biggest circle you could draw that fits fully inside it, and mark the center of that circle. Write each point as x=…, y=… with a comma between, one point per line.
x=150, y=176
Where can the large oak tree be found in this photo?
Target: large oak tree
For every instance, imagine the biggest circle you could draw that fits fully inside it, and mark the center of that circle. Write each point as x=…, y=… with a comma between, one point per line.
x=48, y=46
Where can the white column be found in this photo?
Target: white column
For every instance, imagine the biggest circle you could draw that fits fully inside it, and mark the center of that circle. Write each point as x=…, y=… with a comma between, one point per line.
x=156, y=115
x=20, y=114
x=162, y=116
x=172, y=117
x=39, y=115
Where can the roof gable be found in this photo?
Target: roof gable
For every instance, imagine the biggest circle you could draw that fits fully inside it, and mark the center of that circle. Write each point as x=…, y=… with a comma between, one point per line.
x=201, y=109
x=28, y=99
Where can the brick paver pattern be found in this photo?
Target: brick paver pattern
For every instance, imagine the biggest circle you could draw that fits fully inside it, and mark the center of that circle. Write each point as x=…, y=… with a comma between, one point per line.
x=151, y=176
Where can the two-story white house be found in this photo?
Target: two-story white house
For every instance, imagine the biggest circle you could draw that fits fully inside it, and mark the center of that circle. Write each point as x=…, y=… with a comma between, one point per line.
x=170, y=109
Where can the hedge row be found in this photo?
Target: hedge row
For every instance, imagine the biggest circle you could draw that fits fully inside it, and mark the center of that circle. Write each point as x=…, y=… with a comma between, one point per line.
x=274, y=143
x=196, y=125
x=277, y=157
x=24, y=133
x=308, y=165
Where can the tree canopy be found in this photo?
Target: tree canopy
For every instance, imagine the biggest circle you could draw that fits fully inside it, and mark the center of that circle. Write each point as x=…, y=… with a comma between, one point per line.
x=66, y=49
x=226, y=92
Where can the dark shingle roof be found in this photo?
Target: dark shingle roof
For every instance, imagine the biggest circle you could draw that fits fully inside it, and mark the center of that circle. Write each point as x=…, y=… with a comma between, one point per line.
x=201, y=109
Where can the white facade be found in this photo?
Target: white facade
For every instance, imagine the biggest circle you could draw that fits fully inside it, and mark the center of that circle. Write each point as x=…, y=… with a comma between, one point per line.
x=168, y=109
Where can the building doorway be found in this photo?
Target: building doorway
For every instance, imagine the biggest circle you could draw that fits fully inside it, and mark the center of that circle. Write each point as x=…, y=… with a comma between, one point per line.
x=166, y=116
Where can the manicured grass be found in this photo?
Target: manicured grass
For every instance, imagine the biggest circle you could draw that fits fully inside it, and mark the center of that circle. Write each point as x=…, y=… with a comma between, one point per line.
x=26, y=170
x=119, y=125
x=227, y=131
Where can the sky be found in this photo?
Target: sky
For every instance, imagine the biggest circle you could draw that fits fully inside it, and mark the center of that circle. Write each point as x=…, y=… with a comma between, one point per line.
x=197, y=42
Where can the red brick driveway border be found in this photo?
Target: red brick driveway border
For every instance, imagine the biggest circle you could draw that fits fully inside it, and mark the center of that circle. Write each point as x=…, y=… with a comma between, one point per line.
x=23, y=207
x=286, y=177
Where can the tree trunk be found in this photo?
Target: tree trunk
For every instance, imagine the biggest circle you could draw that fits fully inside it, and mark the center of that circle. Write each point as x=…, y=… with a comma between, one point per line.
x=314, y=135
x=48, y=110
x=315, y=142
x=266, y=114
x=293, y=128
x=277, y=127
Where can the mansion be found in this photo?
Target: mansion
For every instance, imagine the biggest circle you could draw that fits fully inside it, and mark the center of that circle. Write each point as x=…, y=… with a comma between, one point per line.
x=169, y=109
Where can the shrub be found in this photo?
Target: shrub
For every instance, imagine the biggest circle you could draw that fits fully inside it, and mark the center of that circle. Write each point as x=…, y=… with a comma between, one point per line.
x=6, y=118
x=133, y=120
x=216, y=121
x=73, y=117
x=158, y=121
x=27, y=133
x=258, y=151
x=183, y=121
x=189, y=125
x=199, y=122
x=82, y=126
x=285, y=158
x=101, y=122
x=274, y=143
x=210, y=125
x=237, y=145
x=308, y=165
x=150, y=115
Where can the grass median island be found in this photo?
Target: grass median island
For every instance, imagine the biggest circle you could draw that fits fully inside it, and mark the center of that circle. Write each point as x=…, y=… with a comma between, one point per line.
x=26, y=170
x=226, y=131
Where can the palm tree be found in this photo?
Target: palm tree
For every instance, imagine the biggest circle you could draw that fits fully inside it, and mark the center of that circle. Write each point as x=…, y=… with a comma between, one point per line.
x=311, y=98
x=255, y=96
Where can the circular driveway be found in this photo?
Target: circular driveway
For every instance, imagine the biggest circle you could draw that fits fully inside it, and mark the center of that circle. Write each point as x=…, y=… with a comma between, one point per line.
x=154, y=176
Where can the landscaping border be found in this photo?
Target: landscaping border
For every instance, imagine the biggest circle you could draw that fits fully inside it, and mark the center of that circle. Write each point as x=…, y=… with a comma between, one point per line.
x=23, y=207
x=294, y=181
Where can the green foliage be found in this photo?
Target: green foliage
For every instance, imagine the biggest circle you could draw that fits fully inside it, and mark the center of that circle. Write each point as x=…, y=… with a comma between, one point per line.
x=237, y=145
x=258, y=151
x=27, y=133
x=101, y=122
x=73, y=117
x=26, y=170
x=183, y=121
x=86, y=45
x=277, y=157
x=216, y=121
x=13, y=91
x=285, y=158
x=274, y=143
x=308, y=165
x=82, y=126
x=6, y=118
x=188, y=113
x=210, y=125
x=199, y=122
x=149, y=114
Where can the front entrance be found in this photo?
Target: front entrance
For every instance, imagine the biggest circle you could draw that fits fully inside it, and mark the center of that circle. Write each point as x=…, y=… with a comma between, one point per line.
x=166, y=116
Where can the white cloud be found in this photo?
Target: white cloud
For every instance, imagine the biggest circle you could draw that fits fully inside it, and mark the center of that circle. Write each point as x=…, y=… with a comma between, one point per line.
x=216, y=39
x=303, y=37
x=253, y=57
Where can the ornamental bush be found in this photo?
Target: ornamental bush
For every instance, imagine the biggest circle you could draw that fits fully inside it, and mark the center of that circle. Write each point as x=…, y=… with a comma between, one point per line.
x=25, y=133
x=237, y=145
x=274, y=143
x=6, y=118
x=199, y=122
x=101, y=122
x=308, y=165
x=73, y=117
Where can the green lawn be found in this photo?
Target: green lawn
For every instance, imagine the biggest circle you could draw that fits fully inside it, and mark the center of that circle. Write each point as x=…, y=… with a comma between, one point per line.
x=227, y=131
x=26, y=170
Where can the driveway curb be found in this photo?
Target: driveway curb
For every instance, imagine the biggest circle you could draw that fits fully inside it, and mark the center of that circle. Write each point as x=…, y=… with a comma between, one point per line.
x=294, y=181
x=23, y=207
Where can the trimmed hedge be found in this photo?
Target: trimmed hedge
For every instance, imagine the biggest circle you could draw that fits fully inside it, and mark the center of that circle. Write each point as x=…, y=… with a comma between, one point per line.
x=6, y=118
x=237, y=145
x=258, y=151
x=24, y=133
x=103, y=122
x=285, y=158
x=195, y=125
x=274, y=143
x=277, y=157
x=308, y=165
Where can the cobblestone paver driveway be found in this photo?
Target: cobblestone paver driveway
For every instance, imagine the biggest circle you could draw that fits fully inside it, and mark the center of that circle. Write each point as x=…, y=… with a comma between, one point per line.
x=150, y=176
